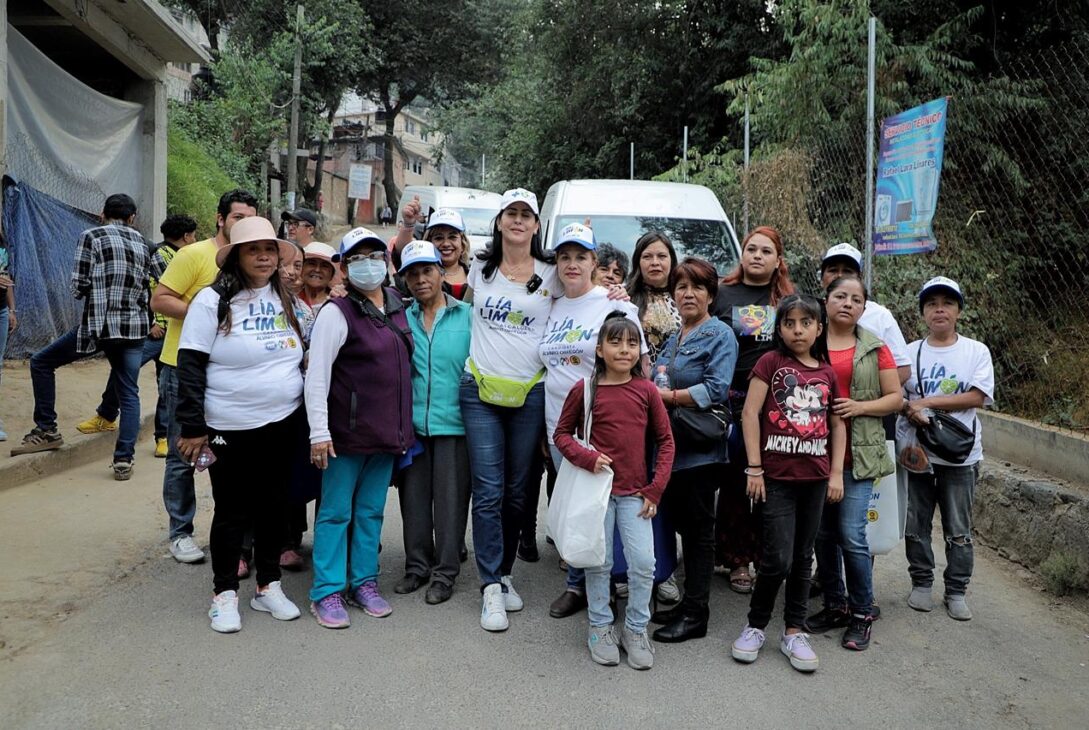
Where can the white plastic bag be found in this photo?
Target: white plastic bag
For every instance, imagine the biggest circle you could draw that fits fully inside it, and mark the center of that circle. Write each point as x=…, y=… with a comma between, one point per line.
x=883, y=515
x=576, y=513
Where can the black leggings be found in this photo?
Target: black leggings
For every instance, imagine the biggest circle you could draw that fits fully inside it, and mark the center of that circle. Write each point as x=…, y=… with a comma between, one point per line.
x=250, y=481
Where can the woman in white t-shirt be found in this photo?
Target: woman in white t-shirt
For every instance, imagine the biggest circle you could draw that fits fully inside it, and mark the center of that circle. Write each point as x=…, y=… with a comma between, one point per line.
x=512, y=285
x=567, y=352
x=240, y=390
x=951, y=373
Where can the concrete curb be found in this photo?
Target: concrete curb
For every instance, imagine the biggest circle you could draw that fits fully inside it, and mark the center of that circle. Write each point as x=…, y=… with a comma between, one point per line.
x=18, y=470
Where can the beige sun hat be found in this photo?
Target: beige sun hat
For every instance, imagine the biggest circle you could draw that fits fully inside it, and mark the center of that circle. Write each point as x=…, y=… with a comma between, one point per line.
x=252, y=229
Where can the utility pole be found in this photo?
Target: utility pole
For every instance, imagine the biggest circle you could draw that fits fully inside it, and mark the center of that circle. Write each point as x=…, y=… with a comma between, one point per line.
x=293, y=132
x=686, y=153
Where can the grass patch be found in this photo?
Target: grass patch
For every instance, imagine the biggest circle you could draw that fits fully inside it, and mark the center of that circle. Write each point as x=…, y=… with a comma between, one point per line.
x=194, y=182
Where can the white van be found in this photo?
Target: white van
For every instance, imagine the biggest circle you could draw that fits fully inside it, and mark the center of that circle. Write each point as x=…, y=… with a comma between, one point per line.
x=620, y=211
x=478, y=208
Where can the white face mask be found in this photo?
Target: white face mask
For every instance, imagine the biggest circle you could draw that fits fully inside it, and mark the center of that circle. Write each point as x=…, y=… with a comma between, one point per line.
x=368, y=274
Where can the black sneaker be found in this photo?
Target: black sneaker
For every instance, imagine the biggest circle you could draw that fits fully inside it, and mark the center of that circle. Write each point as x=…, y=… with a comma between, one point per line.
x=39, y=440
x=827, y=619
x=857, y=635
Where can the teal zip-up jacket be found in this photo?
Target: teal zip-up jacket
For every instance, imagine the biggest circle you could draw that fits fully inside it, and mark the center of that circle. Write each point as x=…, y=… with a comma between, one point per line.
x=438, y=362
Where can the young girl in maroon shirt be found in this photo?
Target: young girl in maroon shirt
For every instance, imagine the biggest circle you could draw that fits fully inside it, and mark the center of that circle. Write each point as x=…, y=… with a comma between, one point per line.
x=624, y=405
x=795, y=442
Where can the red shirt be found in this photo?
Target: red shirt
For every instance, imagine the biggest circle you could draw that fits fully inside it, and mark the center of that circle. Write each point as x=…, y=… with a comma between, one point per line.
x=794, y=418
x=622, y=414
x=843, y=362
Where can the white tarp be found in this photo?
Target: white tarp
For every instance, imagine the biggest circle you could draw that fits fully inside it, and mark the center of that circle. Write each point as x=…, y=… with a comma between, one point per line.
x=66, y=139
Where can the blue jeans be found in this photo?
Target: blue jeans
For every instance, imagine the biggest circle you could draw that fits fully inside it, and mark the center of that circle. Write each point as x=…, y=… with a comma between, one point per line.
x=124, y=358
x=501, y=443
x=179, y=495
x=952, y=490
x=638, y=540
x=576, y=577
x=349, y=522
x=109, y=408
x=842, y=537
x=3, y=336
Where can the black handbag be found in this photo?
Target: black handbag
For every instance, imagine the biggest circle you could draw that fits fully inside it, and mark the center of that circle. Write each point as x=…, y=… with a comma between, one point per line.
x=699, y=429
x=944, y=436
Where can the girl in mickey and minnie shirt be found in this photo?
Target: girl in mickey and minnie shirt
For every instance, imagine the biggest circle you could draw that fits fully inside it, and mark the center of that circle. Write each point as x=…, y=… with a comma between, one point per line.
x=795, y=445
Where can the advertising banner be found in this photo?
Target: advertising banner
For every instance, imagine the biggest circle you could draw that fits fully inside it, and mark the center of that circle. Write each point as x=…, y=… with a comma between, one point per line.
x=909, y=166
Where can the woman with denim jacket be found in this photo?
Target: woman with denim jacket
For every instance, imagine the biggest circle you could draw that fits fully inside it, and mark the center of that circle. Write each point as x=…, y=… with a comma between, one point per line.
x=699, y=360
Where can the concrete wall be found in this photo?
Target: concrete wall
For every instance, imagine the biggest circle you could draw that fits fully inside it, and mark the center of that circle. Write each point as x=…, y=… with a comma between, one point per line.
x=1059, y=453
x=1027, y=516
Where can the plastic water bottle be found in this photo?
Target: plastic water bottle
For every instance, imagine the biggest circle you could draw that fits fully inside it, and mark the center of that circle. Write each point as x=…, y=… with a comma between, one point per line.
x=661, y=378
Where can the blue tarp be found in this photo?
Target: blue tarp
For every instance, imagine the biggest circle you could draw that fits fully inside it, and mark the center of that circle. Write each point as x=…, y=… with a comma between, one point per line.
x=42, y=233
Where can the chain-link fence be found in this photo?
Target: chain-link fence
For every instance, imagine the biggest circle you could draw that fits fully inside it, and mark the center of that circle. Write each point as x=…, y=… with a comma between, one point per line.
x=1011, y=223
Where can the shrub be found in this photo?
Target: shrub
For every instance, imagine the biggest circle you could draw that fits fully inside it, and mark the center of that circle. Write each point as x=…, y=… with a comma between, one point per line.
x=1065, y=573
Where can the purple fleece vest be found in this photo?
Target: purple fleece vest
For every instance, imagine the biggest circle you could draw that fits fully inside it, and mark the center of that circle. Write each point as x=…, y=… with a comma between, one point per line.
x=370, y=390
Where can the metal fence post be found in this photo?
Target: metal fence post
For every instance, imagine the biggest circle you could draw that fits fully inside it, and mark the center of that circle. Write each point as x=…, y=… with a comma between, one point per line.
x=870, y=90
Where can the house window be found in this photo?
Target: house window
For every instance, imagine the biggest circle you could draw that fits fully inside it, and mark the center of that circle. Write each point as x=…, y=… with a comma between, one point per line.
x=423, y=134
x=410, y=126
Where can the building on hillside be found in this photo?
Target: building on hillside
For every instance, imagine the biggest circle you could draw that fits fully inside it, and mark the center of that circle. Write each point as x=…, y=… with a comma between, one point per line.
x=83, y=92
x=180, y=74
x=358, y=131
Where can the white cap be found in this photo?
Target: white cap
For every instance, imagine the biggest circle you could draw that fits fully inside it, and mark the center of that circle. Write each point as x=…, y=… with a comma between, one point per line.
x=844, y=250
x=357, y=236
x=446, y=217
x=520, y=195
x=941, y=283
x=319, y=250
x=577, y=233
x=418, y=252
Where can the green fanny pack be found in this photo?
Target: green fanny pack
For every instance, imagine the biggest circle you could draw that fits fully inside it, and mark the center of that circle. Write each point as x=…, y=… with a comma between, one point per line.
x=503, y=391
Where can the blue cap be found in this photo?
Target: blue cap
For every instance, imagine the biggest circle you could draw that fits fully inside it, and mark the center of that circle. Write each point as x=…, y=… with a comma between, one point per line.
x=418, y=252
x=577, y=233
x=941, y=283
x=357, y=236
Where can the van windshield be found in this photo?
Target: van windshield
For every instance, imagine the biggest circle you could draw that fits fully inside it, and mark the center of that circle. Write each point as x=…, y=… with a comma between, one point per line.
x=707, y=239
x=478, y=221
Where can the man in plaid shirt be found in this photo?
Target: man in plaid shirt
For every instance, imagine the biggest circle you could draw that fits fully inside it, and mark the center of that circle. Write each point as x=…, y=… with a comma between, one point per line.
x=178, y=231
x=113, y=264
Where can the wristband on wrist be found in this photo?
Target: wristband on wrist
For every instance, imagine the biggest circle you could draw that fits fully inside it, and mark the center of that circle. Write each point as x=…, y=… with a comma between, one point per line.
x=673, y=397
x=749, y=472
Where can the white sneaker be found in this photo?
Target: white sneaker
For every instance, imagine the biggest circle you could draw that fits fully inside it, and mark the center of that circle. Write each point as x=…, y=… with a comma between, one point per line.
x=493, y=614
x=511, y=600
x=275, y=602
x=224, y=613
x=668, y=592
x=185, y=550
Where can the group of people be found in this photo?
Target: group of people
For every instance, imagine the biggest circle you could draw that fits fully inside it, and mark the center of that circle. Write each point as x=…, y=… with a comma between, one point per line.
x=746, y=418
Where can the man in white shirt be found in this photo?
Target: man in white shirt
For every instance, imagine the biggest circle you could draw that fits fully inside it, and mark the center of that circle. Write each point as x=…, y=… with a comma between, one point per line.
x=843, y=259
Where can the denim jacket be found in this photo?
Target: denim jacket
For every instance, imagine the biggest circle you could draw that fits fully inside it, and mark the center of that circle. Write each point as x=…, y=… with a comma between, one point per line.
x=704, y=364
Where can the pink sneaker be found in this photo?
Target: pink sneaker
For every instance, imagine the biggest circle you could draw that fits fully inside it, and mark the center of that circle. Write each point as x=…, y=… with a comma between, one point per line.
x=370, y=600
x=331, y=612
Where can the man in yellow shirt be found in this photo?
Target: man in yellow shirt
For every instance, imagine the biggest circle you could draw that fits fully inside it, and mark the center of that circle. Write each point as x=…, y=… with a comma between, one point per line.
x=192, y=269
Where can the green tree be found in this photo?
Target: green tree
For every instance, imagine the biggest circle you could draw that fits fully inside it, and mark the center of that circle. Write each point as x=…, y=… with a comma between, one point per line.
x=584, y=79
x=429, y=50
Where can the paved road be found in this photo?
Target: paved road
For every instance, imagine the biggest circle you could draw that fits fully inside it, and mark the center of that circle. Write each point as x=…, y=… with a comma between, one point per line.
x=102, y=629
